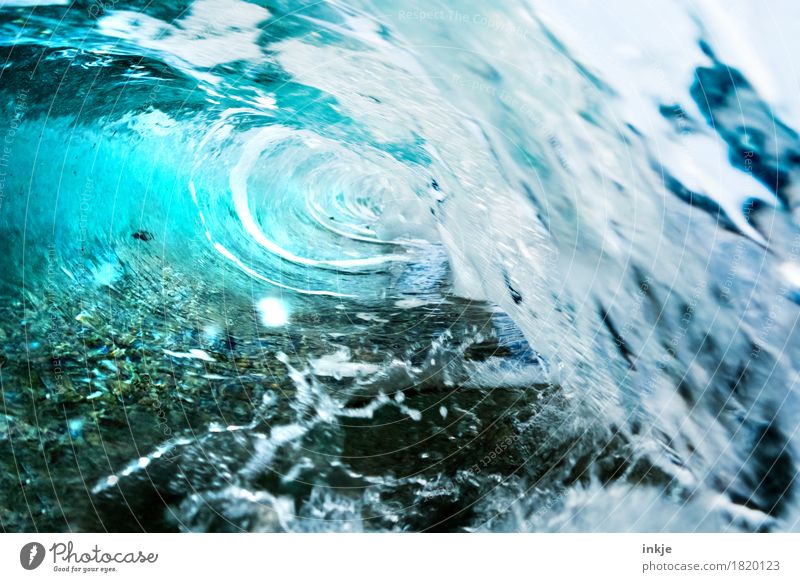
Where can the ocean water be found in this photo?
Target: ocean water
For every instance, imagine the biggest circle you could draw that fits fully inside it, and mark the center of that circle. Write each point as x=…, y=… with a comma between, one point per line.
x=399, y=266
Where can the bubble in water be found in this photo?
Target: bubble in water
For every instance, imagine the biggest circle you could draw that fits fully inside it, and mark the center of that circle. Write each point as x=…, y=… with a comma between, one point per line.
x=273, y=312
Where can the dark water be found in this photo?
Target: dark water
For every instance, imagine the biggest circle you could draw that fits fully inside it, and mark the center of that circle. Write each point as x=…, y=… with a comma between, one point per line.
x=300, y=266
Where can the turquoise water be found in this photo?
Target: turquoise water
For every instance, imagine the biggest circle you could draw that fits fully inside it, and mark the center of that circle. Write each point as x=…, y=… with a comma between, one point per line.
x=303, y=266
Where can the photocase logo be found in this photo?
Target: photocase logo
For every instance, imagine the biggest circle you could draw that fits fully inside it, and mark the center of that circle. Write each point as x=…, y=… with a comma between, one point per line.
x=31, y=555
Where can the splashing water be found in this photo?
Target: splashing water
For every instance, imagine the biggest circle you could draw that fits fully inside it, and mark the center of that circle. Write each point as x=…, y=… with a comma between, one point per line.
x=347, y=266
